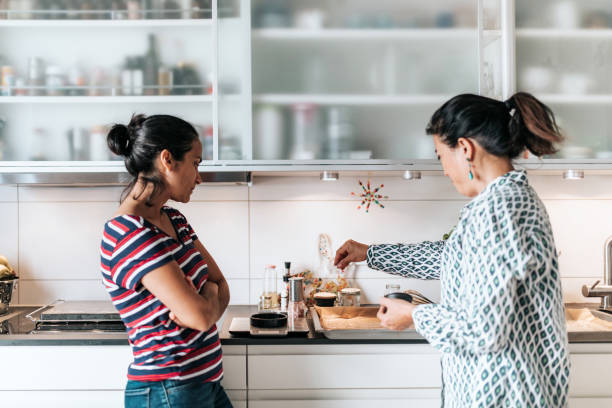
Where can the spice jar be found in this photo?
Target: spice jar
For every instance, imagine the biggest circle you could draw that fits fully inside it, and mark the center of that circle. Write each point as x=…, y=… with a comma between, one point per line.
x=350, y=297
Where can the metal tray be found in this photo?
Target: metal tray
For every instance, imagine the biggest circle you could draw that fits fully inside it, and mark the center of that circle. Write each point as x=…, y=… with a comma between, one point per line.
x=380, y=334
x=80, y=310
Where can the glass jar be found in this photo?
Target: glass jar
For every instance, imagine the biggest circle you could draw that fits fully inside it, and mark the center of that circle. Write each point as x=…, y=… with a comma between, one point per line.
x=350, y=297
x=270, y=287
x=392, y=288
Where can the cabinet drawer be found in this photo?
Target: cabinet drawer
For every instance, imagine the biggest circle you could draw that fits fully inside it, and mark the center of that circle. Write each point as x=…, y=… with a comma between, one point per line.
x=589, y=375
x=234, y=372
x=344, y=371
x=65, y=368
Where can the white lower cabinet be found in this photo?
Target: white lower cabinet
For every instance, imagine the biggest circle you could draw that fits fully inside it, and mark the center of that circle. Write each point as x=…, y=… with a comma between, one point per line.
x=273, y=376
x=590, y=375
x=334, y=376
x=87, y=376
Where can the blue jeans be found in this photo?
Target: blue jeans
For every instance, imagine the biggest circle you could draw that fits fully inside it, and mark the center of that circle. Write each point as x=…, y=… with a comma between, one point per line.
x=175, y=394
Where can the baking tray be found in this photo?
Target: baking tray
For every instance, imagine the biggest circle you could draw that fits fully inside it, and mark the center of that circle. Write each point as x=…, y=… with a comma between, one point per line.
x=354, y=334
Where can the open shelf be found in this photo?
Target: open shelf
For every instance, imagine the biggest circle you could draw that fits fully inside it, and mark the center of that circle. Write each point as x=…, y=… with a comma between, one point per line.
x=555, y=34
x=106, y=23
x=585, y=99
x=366, y=34
x=107, y=99
x=289, y=99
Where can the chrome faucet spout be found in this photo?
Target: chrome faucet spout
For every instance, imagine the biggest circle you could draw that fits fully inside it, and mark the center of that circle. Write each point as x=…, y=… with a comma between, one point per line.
x=606, y=301
x=604, y=291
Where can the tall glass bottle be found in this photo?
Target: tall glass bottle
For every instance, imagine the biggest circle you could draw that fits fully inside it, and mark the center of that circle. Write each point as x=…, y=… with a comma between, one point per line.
x=151, y=67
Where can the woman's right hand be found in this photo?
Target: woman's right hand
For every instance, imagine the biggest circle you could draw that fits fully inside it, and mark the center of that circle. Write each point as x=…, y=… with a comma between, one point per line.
x=350, y=251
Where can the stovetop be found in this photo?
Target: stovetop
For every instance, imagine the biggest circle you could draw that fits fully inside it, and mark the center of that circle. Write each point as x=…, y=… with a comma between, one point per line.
x=16, y=322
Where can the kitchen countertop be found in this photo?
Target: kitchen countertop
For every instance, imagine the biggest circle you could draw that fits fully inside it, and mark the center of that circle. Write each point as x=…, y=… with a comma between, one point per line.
x=23, y=337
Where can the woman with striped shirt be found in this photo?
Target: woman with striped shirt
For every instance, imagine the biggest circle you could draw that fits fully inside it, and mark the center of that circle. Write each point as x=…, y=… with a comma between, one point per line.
x=166, y=286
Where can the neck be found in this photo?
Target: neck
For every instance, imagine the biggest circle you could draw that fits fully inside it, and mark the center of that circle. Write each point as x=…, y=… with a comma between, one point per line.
x=490, y=168
x=138, y=206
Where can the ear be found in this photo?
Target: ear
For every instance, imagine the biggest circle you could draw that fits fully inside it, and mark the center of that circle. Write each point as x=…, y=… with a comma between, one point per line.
x=166, y=161
x=466, y=147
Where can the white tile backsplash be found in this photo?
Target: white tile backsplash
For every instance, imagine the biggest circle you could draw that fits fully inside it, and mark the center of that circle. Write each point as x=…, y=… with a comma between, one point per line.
x=35, y=292
x=52, y=234
x=38, y=194
x=223, y=228
x=61, y=240
x=289, y=230
x=311, y=188
x=580, y=228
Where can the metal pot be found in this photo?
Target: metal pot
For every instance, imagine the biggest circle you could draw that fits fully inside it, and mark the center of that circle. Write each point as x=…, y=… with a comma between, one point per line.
x=269, y=320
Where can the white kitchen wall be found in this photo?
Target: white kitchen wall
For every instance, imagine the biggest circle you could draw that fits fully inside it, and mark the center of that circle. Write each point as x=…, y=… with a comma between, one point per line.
x=52, y=234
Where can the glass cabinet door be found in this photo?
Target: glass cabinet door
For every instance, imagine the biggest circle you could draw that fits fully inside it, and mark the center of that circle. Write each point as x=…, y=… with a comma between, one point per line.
x=70, y=69
x=563, y=54
x=234, y=81
x=359, y=79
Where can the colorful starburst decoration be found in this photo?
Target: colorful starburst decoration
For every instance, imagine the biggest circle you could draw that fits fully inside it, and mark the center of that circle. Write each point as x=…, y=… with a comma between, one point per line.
x=369, y=196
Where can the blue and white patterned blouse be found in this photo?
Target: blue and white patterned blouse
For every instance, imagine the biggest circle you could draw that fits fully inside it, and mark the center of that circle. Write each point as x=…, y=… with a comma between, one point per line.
x=500, y=323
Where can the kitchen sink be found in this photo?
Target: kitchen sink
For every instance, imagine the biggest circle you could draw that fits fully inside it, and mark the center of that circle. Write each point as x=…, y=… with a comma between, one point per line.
x=603, y=315
x=585, y=318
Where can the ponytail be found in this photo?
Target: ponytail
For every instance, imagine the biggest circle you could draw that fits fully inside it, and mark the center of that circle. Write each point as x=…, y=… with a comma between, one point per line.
x=503, y=129
x=534, y=124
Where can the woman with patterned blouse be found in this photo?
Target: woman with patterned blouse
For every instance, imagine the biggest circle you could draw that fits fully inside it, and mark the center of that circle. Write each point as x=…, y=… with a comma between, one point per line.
x=500, y=323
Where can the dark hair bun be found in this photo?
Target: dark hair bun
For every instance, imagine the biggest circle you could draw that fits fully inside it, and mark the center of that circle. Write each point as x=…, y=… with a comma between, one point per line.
x=118, y=140
x=120, y=137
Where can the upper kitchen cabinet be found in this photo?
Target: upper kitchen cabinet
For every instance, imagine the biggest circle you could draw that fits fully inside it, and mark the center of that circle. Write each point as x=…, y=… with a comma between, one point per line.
x=72, y=68
x=358, y=80
x=563, y=56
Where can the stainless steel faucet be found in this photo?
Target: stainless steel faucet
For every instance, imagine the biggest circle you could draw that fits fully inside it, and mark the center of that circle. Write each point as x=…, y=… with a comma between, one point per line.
x=604, y=291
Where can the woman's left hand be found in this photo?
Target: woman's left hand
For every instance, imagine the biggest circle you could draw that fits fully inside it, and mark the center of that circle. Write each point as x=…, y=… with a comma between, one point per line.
x=395, y=314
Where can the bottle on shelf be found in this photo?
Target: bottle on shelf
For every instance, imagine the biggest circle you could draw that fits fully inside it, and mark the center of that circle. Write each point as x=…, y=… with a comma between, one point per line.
x=126, y=77
x=36, y=76
x=8, y=80
x=151, y=67
x=164, y=80
x=76, y=82
x=55, y=80
x=137, y=75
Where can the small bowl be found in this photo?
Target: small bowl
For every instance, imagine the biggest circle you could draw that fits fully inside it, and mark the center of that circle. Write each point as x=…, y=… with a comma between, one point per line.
x=325, y=299
x=399, y=295
x=268, y=320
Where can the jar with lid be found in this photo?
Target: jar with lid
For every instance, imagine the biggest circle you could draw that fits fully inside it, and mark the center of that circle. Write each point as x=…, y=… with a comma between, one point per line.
x=36, y=77
x=350, y=297
x=55, y=80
